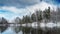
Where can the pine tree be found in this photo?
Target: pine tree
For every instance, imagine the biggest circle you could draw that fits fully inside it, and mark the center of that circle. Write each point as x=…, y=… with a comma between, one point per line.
x=46, y=14
x=33, y=17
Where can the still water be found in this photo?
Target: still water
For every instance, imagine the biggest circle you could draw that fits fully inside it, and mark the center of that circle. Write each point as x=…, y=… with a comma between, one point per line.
x=21, y=30
x=28, y=30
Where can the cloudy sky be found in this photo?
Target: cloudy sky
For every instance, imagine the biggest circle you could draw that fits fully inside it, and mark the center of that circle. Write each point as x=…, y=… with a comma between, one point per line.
x=10, y=9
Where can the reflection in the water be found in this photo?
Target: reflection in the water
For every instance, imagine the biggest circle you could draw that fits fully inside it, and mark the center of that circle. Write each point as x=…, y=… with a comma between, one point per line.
x=29, y=30
x=17, y=29
x=3, y=28
x=9, y=30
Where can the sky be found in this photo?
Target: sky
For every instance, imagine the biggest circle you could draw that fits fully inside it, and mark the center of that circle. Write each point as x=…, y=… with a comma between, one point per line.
x=11, y=9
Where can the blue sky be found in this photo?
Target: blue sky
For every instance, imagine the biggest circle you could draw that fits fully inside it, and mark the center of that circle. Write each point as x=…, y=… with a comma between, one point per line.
x=18, y=8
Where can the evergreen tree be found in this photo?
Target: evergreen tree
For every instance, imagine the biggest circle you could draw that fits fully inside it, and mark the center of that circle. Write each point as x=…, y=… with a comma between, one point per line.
x=46, y=14
x=33, y=17
x=39, y=15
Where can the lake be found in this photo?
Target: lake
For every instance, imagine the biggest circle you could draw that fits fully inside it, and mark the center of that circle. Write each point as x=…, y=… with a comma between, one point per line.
x=14, y=29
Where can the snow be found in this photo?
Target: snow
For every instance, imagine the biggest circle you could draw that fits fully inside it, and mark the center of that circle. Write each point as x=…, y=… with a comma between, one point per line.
x=24, y=25
x=34, y=25
x=58, y=25
x=43, y=25
x=50, y=25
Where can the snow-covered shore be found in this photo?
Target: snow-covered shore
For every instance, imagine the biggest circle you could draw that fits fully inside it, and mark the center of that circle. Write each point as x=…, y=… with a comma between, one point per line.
x=42, y=25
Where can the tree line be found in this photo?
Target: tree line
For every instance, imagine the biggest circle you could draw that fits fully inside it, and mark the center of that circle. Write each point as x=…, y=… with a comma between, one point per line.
x=37, y=16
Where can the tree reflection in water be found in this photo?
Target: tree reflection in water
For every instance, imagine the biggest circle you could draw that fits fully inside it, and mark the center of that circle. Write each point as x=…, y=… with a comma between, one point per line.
x=3, y=28
x=27, y=30
x=17, y=29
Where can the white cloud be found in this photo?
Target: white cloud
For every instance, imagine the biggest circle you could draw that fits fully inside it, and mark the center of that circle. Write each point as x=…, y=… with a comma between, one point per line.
x=41, y=6
x=18, y=3
x=26, y=11
x=14, y=9
x=2, y=15
x=30, y=1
